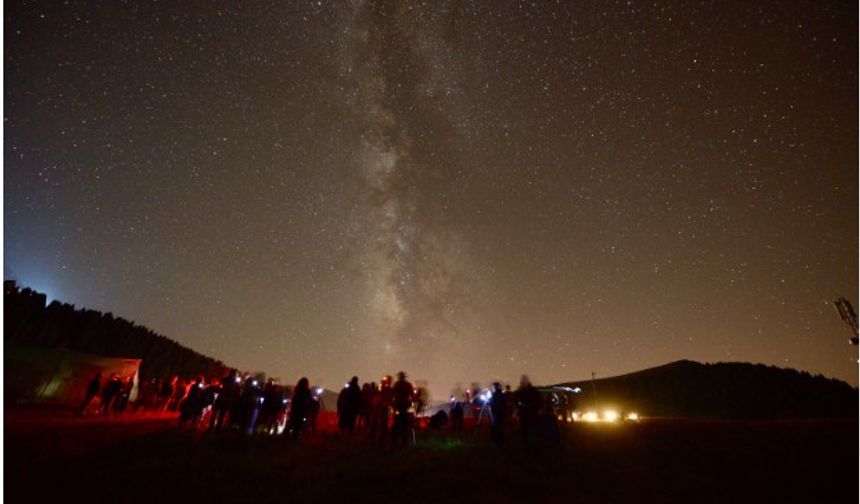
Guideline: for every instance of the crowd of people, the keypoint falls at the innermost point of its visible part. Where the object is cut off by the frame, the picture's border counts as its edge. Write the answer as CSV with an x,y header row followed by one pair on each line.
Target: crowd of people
x,y
378,411
113,396
499,406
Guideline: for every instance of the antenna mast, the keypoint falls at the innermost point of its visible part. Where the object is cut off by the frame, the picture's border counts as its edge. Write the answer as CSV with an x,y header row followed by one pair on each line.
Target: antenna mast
x,y
593,388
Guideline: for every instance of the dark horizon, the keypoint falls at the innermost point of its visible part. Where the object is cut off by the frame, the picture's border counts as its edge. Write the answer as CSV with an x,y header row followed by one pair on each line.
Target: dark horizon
x,y
459,190
164,368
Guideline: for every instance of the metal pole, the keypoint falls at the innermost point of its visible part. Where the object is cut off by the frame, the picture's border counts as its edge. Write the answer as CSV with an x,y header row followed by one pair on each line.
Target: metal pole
x,y
846,311
594,388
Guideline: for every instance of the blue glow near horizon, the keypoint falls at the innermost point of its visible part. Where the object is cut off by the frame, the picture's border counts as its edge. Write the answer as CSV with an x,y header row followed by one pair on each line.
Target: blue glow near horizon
x,y
40,285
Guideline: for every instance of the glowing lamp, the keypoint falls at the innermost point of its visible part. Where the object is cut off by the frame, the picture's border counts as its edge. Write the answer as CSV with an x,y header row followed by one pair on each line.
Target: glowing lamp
x,y
610,415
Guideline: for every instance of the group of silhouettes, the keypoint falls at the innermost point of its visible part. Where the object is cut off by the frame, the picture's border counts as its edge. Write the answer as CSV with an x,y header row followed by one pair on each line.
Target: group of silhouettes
x,y
382,411
248,405
113,395
371,408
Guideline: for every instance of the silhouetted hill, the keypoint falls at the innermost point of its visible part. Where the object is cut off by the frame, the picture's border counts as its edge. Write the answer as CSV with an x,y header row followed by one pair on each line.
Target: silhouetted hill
x,y
723,390
29,323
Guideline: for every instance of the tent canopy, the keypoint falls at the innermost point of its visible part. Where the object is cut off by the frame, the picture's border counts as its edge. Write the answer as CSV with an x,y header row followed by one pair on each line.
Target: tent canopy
x,y
59,376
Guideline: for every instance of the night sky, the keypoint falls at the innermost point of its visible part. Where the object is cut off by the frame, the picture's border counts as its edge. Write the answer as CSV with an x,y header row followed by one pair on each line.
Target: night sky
x,y
467,191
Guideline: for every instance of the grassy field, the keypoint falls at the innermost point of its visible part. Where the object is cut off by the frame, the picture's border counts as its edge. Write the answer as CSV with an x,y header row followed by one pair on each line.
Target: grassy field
x,y
149,460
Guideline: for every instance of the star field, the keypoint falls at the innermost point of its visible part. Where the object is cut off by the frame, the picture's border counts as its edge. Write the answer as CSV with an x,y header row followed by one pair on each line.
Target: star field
x,y
464,190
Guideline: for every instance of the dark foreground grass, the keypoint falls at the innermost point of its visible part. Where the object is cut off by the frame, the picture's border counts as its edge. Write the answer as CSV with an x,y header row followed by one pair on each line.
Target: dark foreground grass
x,y
649,462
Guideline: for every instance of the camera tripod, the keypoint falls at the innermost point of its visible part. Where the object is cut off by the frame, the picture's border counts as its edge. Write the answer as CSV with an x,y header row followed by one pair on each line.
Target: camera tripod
x,y
485,411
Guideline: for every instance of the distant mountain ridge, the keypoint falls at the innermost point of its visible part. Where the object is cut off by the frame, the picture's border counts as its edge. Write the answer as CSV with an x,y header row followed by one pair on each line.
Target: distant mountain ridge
x,y
730,390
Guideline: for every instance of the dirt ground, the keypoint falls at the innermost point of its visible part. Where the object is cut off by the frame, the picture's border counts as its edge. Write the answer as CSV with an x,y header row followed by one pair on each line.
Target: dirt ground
x,y
59,457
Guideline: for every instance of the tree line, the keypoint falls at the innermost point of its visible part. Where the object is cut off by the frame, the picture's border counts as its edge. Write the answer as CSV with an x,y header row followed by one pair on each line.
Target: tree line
x,y
30,323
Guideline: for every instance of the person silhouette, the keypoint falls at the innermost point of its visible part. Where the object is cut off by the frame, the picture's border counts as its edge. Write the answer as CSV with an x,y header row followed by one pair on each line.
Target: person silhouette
x,y
499,413
92,391
110,392
227,395
383,404
273,402
191,408
300,407
349,405
528,402
403,396
365,413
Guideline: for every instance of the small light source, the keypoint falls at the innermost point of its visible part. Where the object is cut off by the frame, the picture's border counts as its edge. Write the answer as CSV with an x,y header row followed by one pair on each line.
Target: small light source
x,y
575,416
610,415
254,383
633,417
319,390
590,416
238,379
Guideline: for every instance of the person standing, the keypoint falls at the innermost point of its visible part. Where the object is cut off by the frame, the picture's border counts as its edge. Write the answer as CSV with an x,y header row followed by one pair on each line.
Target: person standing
x,y
528,402
224,401
92,391
348,405
499,413
273,402
191,408
383,404
403,395
300,407
165,393
110,392
457,414
365,412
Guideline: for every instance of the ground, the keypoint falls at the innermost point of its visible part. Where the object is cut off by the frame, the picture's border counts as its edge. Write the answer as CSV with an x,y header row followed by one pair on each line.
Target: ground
x,y
58,457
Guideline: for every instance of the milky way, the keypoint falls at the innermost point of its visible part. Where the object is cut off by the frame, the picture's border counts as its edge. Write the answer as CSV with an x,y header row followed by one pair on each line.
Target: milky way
x,y
466,191
416,266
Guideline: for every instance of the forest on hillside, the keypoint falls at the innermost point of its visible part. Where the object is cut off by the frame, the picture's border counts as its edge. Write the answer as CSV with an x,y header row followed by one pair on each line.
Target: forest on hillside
x,y
30,323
